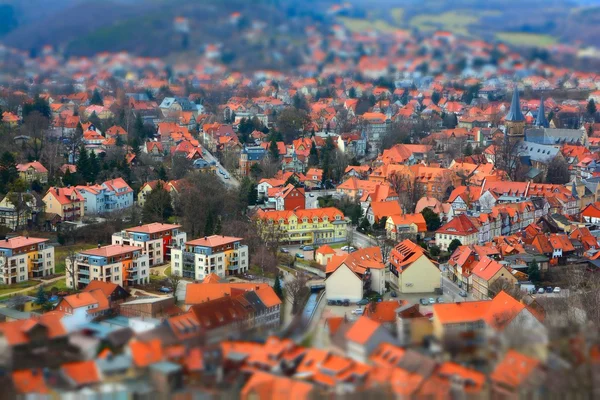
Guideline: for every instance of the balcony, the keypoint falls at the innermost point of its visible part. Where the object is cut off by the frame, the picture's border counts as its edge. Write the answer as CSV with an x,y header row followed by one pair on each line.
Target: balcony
x,y
10,273
188,274
83,280
82,271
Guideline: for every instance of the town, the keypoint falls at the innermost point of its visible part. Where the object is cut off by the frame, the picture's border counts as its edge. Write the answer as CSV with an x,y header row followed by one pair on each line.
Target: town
x,y
396,216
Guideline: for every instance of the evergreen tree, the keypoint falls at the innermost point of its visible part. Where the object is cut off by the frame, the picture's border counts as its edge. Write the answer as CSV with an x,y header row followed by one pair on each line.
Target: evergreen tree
x,y
157,206
454,245
534,272
69,179
277,287
364,225
274,150
40,297
96,98
432,220
468,151
209,226
94,167
591,107
313,157
435,97
352,93
79,130
218,226
8,171
83,164
40,105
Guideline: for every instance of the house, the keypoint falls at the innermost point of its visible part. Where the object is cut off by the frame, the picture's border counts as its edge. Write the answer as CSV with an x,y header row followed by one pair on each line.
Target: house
x,y
266,386
363,338
152,307
124,265
265,184
80,374
288,198
491,326
324,254
517,376
414,271
33,171
110,196
485,273
591,213
250,156
156,240
83,307
23,212
351,276
315,226
67,203
402,226
382,209
25,258
113,292
20,343
216,254
459,228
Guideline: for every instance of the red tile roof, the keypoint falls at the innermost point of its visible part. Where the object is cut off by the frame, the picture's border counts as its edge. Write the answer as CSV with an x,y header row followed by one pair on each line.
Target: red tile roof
x,y
81,373
214,241
362,330
20,241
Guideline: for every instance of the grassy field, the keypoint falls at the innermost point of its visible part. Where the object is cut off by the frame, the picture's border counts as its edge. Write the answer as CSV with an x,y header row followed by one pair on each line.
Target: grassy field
x,y
168,271
61,252
526,39
453,21
363,25
8,289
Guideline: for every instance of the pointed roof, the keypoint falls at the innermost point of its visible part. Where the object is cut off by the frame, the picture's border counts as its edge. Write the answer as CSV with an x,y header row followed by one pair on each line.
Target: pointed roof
x,y
540,119
515,114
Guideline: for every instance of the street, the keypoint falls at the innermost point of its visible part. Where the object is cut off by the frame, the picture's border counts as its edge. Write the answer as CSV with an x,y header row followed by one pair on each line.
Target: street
x,y
360,240
231,182
313,196
451,290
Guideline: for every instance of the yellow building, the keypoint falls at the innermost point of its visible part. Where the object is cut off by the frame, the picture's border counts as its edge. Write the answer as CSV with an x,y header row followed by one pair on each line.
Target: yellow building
x,y
23,258
33,171
414,271
485,273
316,226
67,203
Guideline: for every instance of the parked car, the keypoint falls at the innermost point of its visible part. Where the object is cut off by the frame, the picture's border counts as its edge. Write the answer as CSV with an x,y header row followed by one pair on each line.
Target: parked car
x,y
423,301
362,302
549,289
541,290
308,248
338,303
357,311
225,177
299,255
311,195
440,300
165,289
462,293
352,249
431,300
331,302
393,294
346,302
345,248
284,250
556,290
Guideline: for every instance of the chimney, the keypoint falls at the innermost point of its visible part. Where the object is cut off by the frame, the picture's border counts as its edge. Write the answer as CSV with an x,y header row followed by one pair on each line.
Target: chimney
x,y
99,245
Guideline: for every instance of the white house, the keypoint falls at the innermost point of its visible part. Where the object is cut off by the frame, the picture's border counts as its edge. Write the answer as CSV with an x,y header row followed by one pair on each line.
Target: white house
x,y
414,271
352,275
83,307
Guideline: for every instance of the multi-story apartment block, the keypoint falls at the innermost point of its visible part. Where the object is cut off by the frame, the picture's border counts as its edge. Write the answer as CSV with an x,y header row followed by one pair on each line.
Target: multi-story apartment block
x,y
216,254
112,195
23,258
157,240
315,226
120,264
67,203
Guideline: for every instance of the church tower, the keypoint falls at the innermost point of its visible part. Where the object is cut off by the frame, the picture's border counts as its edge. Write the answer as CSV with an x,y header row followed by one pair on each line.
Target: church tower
x,y
515,120
540,119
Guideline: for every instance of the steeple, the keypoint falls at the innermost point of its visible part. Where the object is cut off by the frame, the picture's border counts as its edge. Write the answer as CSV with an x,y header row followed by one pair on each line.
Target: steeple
x,y
541,120
515,114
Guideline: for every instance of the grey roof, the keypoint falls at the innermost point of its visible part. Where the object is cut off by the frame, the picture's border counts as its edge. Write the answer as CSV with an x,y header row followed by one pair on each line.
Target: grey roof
x,y
145,300
166,367
515,114
538,152
540,119
255,153
114,364
14,314
553,136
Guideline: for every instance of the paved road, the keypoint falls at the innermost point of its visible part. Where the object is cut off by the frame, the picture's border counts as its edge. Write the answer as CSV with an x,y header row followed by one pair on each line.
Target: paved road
x,y
451,290
231,182
360,240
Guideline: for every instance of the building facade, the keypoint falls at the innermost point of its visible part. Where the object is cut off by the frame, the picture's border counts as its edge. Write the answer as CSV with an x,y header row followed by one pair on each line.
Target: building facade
x,y
157,240
112,195
216,254
67,203
23,258
120,264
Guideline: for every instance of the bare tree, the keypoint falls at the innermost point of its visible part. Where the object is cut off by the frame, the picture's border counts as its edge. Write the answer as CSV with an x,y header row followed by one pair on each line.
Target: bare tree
x,y
35,126
71,268
296,292
386,246
408,190
507,156
173,282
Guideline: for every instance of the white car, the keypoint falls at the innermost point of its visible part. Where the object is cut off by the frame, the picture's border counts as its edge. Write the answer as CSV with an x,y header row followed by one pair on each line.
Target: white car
x,y
358,311
345,248
556,290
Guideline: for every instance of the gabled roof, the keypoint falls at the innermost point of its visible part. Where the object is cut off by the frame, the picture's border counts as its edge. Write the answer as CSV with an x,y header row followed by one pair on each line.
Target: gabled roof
x,y
29,381
514,369
146,353
358,262
486,268
460,225
17,332
214,241
81,373
34,164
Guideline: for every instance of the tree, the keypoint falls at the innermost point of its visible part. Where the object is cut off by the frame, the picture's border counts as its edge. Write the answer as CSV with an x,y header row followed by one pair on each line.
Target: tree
x,y
291,122
364,226
70,268
313,156
173,282
277,287
434,251
352,93
94,167
435,97
158,205
432,219
96,98
83,164
20,201
40,297
274,150
454,245
296,292
40,105
533,272
8,171
35,126
468,151
558,171
591,107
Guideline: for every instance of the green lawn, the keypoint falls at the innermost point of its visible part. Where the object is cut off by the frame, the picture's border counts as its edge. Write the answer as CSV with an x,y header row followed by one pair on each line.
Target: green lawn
x,y
168,271
453,21
526,39
362,25
8,289
61,252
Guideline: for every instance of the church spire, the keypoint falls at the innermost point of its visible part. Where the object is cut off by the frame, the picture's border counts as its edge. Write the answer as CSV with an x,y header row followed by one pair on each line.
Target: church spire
x,y
515,114
540,119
